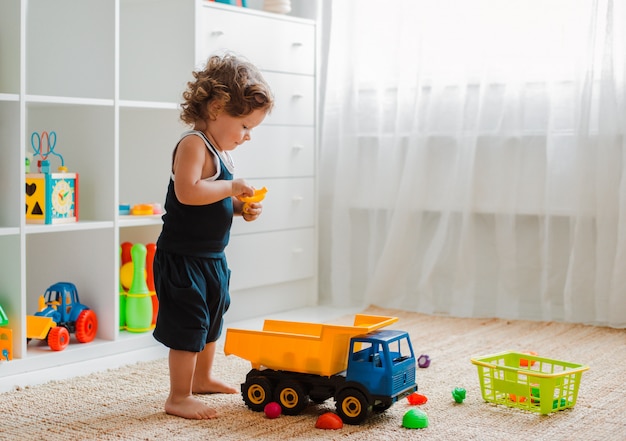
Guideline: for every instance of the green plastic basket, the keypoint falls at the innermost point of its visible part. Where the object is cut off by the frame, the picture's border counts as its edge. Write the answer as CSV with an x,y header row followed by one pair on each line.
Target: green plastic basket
x,y
529,382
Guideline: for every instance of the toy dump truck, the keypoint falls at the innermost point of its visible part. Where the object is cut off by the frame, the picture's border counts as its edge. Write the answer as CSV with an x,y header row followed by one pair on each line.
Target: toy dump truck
x,y
362,367
61,313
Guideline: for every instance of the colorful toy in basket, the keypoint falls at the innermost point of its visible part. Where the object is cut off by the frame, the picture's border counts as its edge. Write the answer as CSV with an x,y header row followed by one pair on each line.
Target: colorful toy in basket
x,y
527,381
51,198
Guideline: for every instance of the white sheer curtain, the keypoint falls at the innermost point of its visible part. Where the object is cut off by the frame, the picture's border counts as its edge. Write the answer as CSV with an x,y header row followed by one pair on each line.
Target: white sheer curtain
x,y
473,158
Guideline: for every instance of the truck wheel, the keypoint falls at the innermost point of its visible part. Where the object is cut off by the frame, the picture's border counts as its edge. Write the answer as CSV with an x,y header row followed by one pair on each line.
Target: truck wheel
x,y
86,326
292,397
352,406
256,393
58,338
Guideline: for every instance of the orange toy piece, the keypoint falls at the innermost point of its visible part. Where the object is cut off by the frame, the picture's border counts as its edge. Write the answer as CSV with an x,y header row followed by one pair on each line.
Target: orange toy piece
x,y
517,399
526,363
258,196
142,210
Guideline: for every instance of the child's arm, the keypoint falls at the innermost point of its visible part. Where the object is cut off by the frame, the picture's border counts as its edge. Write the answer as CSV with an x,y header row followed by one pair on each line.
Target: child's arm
x,y
193,164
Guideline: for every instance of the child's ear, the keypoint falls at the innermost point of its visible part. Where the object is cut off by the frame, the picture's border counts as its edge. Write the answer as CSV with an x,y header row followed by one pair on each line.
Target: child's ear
x,y
215,107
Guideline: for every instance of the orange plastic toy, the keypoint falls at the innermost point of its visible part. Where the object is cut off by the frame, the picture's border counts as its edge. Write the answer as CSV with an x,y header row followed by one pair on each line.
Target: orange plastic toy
x,y
258,196
526,363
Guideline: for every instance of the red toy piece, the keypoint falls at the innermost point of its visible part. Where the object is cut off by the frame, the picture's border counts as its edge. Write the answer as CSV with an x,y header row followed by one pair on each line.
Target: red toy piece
x,y
417,399
329,421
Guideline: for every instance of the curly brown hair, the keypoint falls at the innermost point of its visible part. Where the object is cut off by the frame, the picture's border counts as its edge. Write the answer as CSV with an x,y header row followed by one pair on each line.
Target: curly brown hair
x,y
231,80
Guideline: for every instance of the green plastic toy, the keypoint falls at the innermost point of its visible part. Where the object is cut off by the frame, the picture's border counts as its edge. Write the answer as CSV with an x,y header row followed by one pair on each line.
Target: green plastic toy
x,y
415,419
4,320
458,394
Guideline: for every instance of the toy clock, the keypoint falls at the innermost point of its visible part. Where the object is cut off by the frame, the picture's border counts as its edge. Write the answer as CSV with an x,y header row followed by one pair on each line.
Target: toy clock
x,y
51,198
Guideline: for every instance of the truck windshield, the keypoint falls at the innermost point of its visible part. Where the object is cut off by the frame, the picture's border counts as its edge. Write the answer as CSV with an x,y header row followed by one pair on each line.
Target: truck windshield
x,y
366,351
400,349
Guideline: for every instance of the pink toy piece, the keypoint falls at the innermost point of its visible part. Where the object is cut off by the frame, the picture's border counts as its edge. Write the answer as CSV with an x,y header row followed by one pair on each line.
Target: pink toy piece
x,y
272,410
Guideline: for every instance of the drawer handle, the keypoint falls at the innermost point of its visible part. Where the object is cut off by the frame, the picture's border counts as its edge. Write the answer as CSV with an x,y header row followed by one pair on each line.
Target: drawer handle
x,y
217,33
297,198
297,250
297,147
297,44
297,95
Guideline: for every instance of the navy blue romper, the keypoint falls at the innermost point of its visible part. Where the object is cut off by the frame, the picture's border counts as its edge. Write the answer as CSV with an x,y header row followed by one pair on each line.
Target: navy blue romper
x,y
191,275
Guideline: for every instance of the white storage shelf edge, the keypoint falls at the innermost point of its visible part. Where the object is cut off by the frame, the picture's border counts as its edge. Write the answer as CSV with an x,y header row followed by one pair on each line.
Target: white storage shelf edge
x,y
112,97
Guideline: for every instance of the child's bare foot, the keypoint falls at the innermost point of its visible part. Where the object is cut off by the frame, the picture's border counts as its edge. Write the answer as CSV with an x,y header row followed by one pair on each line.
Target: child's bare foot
x,y
211,386
190,408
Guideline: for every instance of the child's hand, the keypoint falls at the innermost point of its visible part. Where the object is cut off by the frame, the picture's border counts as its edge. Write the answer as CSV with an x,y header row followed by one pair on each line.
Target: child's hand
x,y
241,188
251,211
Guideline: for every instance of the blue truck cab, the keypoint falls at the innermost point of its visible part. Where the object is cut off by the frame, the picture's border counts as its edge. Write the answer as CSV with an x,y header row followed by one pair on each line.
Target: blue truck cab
x,y
384,363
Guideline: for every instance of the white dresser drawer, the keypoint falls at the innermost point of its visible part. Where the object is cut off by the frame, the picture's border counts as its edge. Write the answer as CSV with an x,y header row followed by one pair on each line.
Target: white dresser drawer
x,y
269,258
276,151
294,99
292,47
289,203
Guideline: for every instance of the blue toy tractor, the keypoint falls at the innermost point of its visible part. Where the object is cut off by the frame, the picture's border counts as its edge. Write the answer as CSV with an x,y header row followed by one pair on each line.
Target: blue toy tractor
x,y
61,313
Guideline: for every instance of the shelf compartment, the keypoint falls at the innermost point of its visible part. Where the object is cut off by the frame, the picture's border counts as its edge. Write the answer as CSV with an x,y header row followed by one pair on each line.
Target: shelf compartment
x,y
70,57
61,256
10,28
10,167
86,141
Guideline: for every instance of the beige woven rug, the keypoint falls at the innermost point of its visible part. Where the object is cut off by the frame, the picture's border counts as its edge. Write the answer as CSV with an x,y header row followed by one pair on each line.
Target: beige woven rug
x,y
127,403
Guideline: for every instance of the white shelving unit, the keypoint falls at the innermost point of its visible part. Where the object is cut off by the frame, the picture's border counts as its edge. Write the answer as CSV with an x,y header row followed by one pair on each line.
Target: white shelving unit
x,y
107,77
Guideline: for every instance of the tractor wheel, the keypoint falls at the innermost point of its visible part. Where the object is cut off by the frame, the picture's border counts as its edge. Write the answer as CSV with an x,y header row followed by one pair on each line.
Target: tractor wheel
x,y
256,393
58,338
291,396
86,326
352,406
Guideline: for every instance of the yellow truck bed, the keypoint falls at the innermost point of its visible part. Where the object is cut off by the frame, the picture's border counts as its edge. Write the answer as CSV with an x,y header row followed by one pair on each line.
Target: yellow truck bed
x,y
312,348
